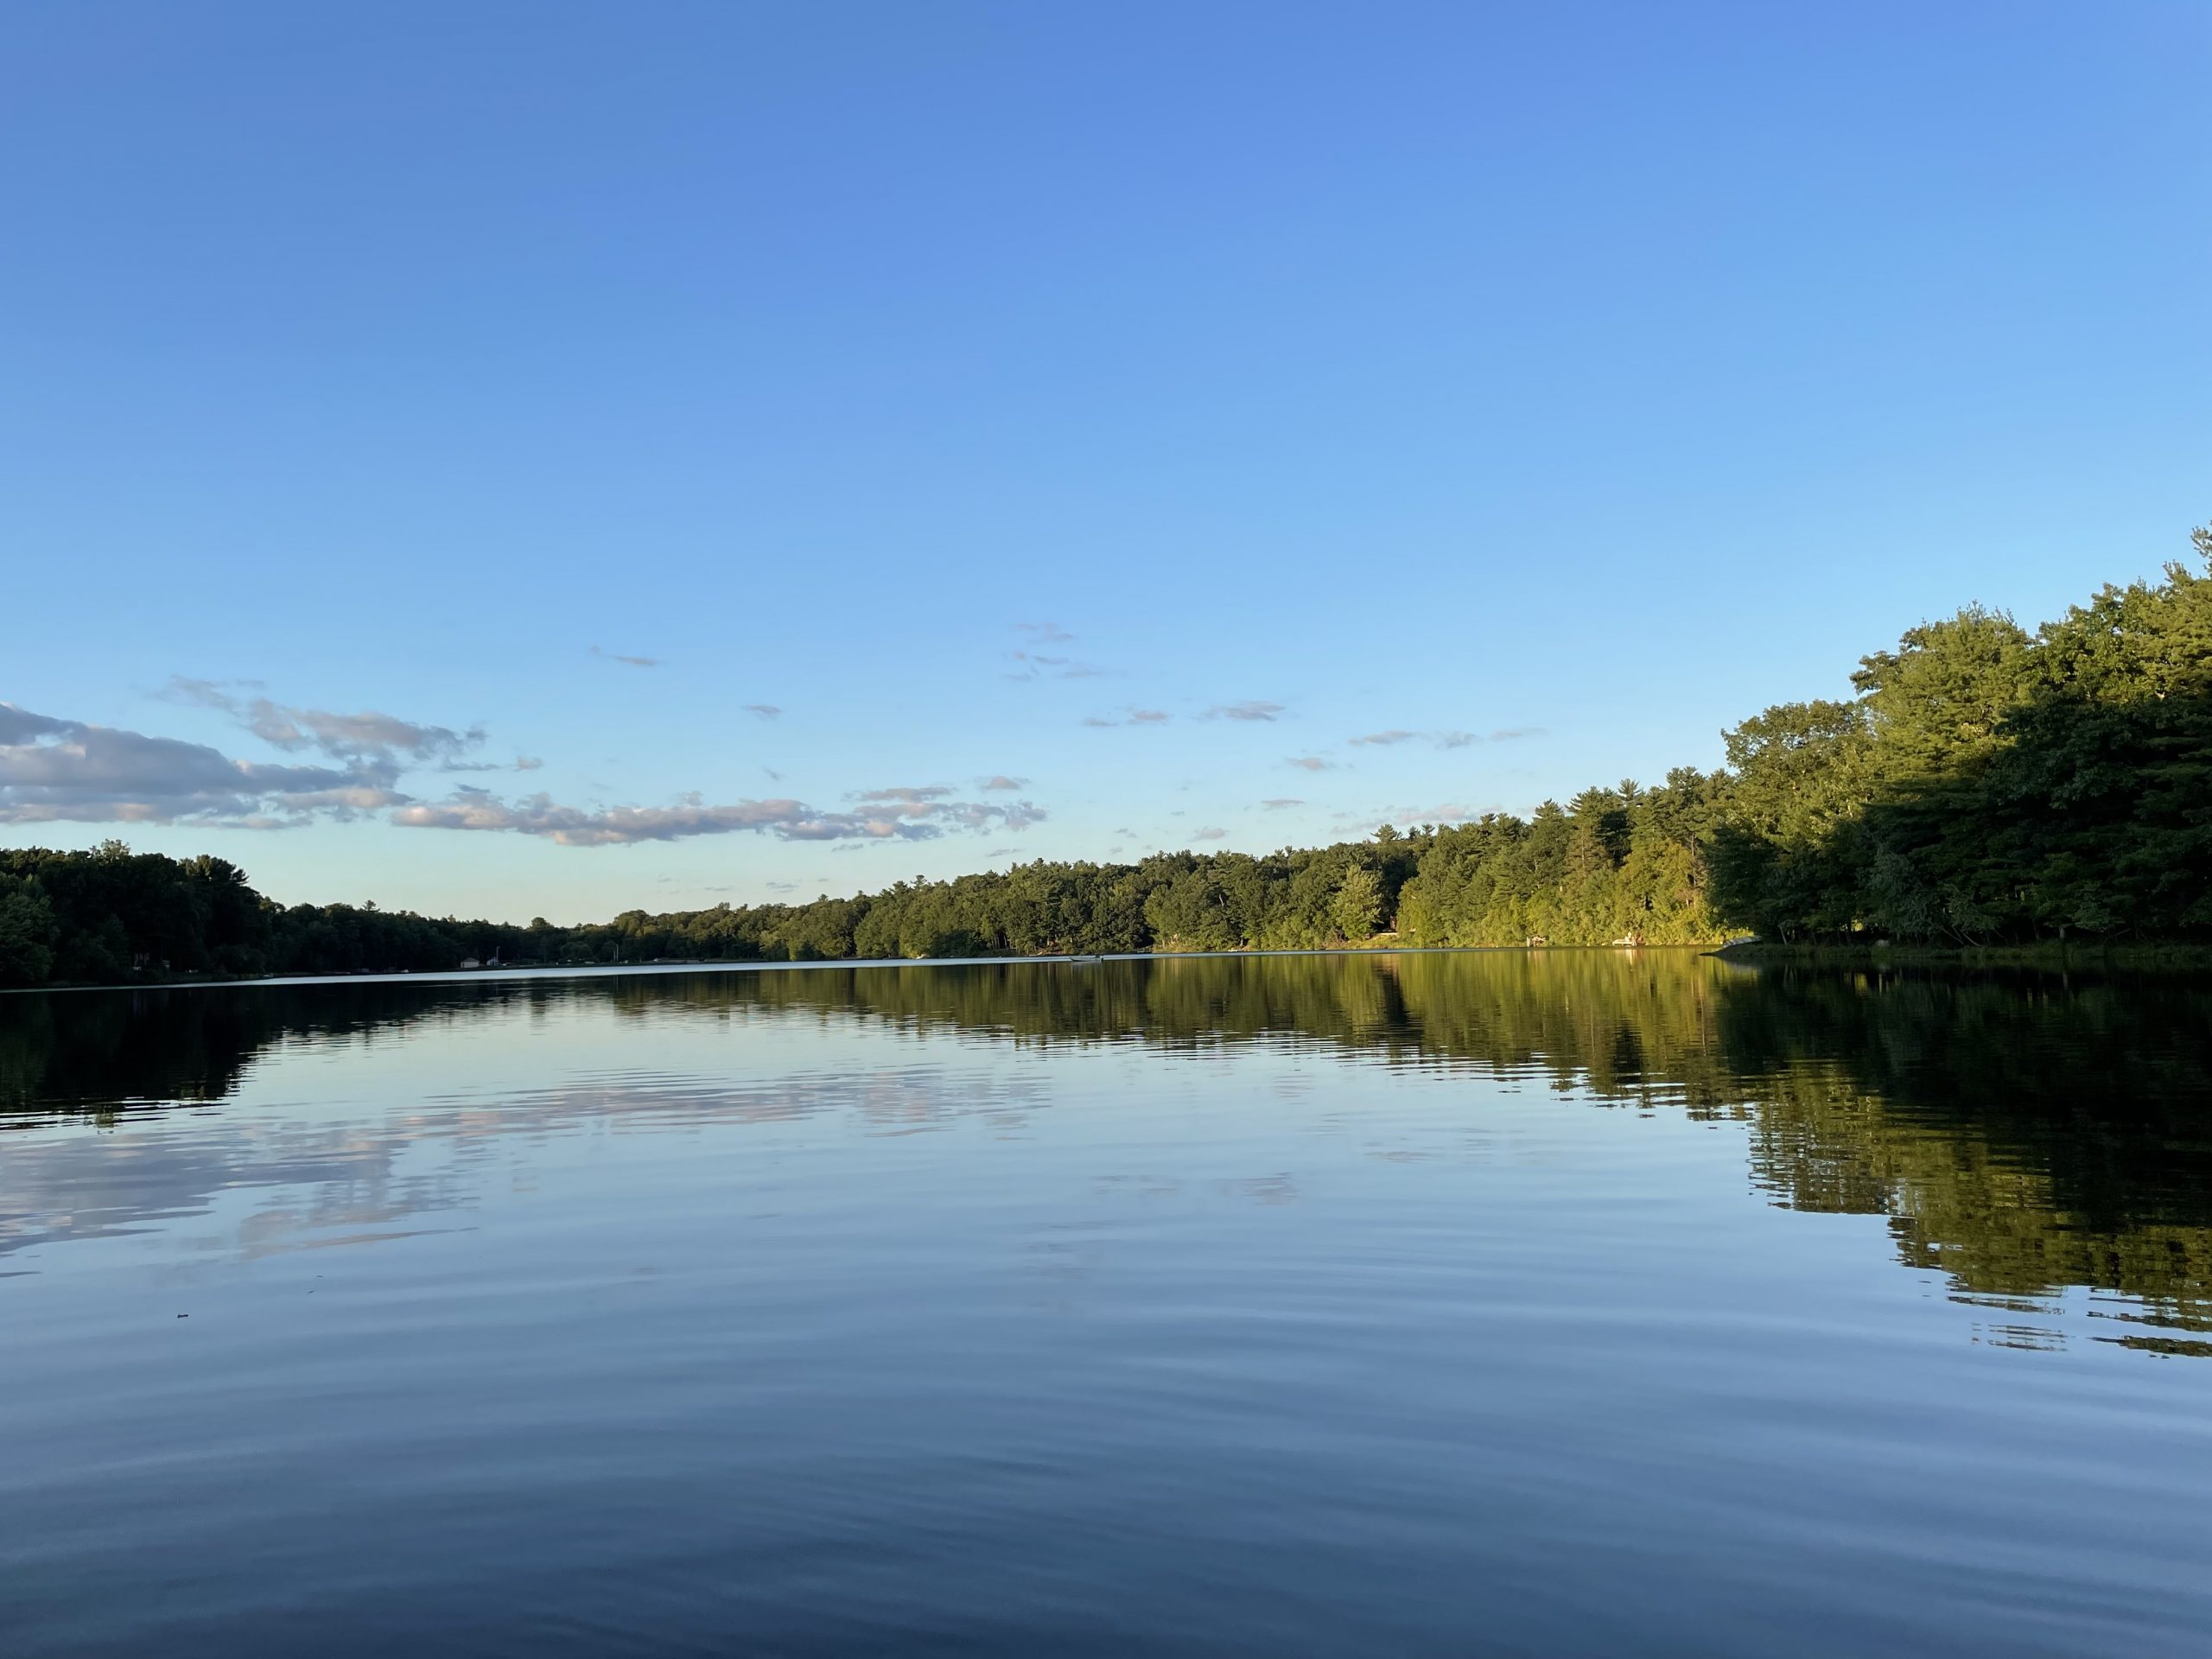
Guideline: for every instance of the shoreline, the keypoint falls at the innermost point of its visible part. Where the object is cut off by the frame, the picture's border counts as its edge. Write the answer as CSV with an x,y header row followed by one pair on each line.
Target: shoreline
x,y
740,964
2050,955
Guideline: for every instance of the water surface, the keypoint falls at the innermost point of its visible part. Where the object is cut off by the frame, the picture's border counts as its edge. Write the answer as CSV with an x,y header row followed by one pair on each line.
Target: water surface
x,y
1553,1304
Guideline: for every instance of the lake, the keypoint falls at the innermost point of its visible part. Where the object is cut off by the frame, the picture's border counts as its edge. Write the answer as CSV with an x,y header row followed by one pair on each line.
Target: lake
x,y
1557,1303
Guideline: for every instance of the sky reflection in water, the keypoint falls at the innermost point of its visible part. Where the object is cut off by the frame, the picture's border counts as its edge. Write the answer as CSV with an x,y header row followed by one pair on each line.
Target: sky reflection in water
x,y
1579,1302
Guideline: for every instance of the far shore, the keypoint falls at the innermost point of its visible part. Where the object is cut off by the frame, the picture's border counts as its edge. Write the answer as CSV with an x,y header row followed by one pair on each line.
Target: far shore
x,y
732,964
1748,953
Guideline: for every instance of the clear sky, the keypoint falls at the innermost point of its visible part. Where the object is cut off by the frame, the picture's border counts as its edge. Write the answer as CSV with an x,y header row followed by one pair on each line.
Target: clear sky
x,y
742,410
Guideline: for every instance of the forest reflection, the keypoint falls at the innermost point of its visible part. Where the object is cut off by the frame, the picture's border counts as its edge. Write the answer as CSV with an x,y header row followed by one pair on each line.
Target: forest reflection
x,y
2022,1132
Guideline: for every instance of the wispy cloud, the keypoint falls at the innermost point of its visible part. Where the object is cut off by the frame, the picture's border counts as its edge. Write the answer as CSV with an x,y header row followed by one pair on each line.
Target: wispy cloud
x,y
54,769
1035,665
1442,739
934,804
1250,709
1000,780
903,796
1031,664
628,662
988,815
1311,763
878,815
1130,717
1449,812
369,737
1211,834
1277,803
1448,740
766,710
220,694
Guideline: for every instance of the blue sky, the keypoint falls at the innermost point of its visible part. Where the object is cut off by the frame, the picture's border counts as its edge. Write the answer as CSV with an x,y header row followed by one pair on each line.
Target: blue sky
x,y
1555,385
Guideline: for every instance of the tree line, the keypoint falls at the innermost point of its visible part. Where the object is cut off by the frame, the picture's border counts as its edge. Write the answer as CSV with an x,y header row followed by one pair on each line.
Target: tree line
x,y
1983,784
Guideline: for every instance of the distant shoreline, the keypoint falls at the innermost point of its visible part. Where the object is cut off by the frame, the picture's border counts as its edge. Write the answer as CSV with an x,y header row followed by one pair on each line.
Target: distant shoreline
x,y
746,964
1750,953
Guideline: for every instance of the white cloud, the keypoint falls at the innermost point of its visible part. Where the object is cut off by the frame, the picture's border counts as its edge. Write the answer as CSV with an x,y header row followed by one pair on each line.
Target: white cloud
x,y
901,814
370,736
55,771
1035,665
1442,739
1250,709
905,797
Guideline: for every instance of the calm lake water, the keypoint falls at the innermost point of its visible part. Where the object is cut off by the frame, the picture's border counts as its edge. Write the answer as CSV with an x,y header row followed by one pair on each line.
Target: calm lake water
x,y
1563,1303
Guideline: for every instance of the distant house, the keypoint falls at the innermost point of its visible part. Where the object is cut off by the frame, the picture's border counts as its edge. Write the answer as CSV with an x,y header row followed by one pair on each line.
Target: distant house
x,y
470,962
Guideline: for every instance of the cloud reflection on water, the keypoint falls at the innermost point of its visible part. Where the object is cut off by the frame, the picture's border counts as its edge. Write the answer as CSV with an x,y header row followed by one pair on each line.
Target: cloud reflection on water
x,y
2022,1135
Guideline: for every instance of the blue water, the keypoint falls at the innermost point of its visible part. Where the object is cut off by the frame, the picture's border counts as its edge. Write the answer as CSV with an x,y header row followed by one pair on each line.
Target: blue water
x,y
1580,1304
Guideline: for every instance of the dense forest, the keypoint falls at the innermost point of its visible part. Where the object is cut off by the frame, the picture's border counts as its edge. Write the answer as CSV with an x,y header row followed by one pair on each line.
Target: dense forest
x,y
1983,784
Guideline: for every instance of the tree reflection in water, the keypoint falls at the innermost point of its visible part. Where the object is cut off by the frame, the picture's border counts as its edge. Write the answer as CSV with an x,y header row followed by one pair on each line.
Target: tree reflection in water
x,y
2024,1132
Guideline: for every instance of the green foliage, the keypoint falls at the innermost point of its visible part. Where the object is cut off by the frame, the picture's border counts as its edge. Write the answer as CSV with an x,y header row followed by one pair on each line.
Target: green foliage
x,y
27,933
1990,786
1358,908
